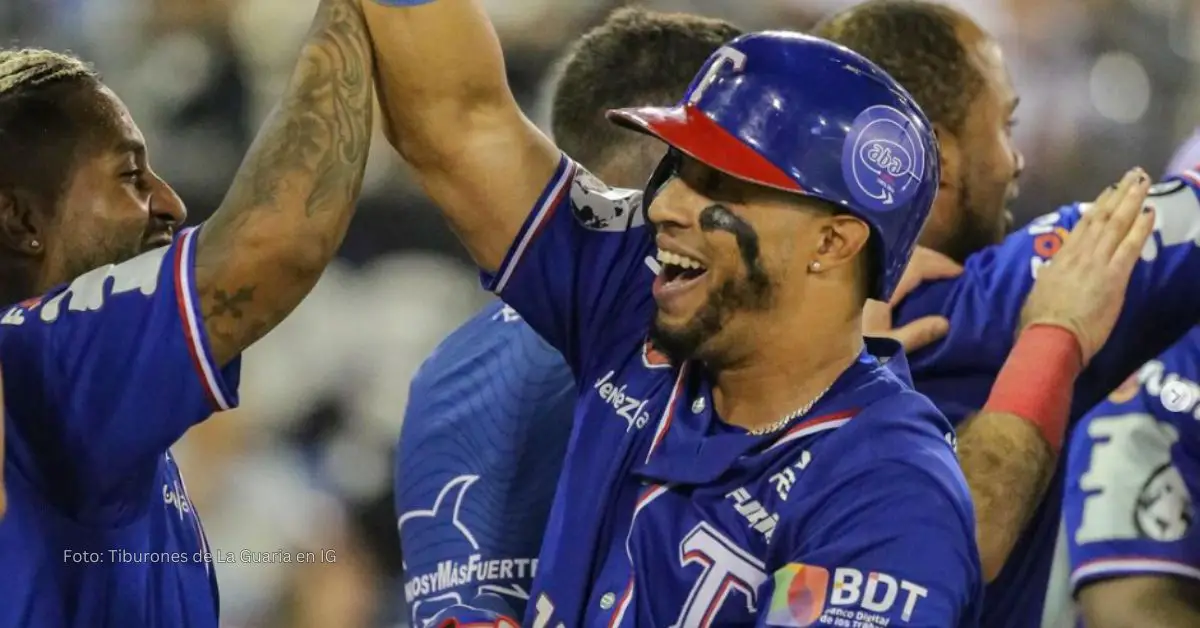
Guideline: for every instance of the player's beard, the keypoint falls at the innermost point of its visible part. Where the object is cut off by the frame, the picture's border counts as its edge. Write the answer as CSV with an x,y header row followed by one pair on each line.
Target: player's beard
x,y
753,292
101,252
978,228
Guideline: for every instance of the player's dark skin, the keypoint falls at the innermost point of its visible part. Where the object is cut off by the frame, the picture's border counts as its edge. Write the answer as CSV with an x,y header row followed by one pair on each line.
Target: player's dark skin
x,y
755,292
717,217
280,224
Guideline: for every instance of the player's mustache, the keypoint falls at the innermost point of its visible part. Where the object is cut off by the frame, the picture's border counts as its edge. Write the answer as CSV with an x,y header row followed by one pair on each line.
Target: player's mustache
x,y
717,217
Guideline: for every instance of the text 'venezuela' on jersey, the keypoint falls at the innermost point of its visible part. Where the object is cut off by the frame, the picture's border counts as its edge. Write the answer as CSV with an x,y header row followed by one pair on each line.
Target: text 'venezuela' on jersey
x,y
858,515
983,306
480,452
100,378
1133,475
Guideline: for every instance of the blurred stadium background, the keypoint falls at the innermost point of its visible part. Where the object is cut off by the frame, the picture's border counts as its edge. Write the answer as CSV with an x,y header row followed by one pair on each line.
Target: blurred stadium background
x,y
305,464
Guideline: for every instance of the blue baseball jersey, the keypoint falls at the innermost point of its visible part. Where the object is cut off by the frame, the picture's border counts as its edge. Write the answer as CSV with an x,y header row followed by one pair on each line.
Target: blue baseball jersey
x,y
101,377
484,435
857,515
983,306
1133,475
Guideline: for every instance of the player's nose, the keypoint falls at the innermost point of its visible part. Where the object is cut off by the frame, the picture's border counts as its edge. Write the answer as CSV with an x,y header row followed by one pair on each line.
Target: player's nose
x,y
674,207
165,204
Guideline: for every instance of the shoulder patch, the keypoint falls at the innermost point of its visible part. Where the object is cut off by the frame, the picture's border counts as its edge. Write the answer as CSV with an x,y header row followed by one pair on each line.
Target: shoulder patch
x,y
602,208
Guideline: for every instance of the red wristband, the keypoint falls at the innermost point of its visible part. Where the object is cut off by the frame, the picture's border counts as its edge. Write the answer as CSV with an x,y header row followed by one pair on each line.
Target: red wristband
x,y
1037,380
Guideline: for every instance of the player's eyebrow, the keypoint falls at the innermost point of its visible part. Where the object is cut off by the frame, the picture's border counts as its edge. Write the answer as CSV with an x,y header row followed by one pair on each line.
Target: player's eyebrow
x,y
130,145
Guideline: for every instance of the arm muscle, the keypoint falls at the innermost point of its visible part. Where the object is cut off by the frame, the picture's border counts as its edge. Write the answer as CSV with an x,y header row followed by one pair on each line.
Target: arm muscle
x,y
449,112
291,201
1008,466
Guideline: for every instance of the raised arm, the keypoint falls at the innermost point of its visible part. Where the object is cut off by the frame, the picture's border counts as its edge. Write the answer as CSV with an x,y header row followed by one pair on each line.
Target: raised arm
x,y
291,201
1009,450
449,112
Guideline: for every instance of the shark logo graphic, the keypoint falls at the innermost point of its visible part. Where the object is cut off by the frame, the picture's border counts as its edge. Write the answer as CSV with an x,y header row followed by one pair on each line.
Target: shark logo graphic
x,y
447,564
458,488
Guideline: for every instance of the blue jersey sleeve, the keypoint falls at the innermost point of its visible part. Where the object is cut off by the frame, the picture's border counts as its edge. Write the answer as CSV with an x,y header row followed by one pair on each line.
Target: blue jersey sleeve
x,y
892,545
579,271
103,375
984,304
482,446
1133,475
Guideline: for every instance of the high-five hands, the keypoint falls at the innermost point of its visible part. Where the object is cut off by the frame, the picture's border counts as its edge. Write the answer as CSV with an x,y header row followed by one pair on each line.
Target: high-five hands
x,y
1082,289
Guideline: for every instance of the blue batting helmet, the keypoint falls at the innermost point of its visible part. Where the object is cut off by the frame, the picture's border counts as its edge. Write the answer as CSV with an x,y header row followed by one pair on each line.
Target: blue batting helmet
x,y
808,116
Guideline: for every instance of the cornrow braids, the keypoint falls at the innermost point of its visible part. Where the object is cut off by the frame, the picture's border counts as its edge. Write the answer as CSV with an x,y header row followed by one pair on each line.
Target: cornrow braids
x,y
45,115
24,68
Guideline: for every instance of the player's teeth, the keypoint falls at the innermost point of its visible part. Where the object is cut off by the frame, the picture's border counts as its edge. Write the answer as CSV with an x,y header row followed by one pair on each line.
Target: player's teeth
x,y
675,259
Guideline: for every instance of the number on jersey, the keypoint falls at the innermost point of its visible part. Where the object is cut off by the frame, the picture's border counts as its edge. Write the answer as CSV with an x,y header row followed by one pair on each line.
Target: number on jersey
x,y
1134,490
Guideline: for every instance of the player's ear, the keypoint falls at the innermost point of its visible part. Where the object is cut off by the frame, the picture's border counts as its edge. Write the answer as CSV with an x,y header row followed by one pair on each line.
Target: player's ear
x,y
22,225
951,156
841,239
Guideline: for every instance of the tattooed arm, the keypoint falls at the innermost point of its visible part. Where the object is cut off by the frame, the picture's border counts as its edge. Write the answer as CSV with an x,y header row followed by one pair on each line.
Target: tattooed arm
x,y
449,112
291,201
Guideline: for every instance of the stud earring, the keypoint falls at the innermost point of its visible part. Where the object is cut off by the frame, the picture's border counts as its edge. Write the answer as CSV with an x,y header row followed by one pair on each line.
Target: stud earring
x,y
34,243
814,266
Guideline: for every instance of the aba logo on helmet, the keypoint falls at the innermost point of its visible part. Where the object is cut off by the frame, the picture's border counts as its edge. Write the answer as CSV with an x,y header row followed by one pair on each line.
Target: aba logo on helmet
x,y
883,159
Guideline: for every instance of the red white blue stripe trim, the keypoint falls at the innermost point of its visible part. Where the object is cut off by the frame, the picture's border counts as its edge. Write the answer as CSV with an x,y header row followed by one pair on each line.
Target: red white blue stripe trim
x,y
551,199
193,321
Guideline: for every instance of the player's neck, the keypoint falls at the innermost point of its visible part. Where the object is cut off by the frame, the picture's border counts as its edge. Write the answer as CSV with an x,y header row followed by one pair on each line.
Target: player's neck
x,y
787,369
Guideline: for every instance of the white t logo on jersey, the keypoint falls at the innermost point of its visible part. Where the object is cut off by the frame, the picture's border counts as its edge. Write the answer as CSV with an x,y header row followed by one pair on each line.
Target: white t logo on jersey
x,y
727,569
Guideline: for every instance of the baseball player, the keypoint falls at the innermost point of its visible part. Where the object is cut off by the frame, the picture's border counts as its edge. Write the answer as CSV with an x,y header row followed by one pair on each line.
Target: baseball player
x,y
489,413
748,487
127,333
1133,476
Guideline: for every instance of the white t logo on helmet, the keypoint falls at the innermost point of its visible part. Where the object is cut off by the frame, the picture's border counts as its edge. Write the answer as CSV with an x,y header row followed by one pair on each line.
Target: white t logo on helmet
x,y
732,57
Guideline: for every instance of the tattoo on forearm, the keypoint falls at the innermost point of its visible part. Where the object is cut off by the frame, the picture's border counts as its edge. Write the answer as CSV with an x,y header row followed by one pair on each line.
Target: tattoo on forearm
x,y
296,187
1007,466
225,304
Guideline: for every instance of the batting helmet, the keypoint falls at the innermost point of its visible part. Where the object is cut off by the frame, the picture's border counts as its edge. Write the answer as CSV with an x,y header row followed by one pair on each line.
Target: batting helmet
x,y
805,115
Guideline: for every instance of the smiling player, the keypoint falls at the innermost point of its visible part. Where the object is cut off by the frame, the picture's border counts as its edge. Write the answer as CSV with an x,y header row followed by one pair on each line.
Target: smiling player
x,y
127,333
752,497
489,412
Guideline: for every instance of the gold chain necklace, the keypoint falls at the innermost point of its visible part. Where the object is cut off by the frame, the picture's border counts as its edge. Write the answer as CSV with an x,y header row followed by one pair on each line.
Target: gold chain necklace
x,y
788,418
